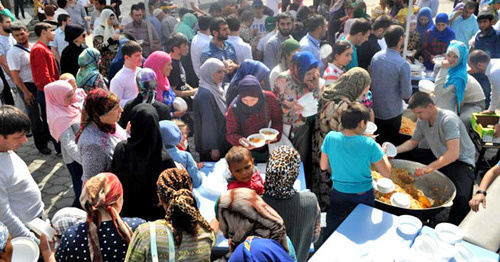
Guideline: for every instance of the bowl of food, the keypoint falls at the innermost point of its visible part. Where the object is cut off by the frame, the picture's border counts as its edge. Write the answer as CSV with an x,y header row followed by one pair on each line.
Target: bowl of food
x,y
370,128
409,225
400,200
449,233
269,134
385,185
256,140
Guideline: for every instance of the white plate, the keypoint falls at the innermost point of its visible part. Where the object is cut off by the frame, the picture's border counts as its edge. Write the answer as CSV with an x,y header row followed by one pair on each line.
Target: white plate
x,y
370,128
25,250
409,225
449,233
259,144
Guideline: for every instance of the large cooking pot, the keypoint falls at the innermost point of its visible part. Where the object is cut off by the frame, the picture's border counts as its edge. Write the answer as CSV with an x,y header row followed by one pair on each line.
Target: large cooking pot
x,y
435,185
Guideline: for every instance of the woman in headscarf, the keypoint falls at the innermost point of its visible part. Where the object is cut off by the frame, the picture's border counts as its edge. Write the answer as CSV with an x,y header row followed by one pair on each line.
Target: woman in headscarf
x,y
146,83
88,77
251,111
161,63
138,162
63,117
242,213
75,36
287,49
118,61
209,109
350,87
290,86
296,208
436,40
183,234
106,40
424,21
186,26
455,89
260,249
99,133
105,235
248,67
342,10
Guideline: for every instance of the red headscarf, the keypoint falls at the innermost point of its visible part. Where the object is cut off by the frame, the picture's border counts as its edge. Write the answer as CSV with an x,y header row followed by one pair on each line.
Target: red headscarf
x,y
157,61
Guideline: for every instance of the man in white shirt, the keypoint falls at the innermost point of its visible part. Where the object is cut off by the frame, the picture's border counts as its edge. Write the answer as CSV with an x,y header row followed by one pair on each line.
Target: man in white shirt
x,y
275,5
259,19
480,62
200,42
243,50
59,43
20,198
6,43
271,31
124,84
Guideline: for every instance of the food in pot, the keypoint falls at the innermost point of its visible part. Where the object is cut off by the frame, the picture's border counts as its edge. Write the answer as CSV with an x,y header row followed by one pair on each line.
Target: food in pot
x,y
404,183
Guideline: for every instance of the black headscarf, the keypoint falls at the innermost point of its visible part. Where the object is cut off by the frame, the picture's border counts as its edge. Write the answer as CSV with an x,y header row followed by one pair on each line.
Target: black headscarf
x,y
248,86
72,32
138,163
70,54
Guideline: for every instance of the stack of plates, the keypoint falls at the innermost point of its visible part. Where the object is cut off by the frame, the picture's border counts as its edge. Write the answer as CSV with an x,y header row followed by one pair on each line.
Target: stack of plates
x,y
309,104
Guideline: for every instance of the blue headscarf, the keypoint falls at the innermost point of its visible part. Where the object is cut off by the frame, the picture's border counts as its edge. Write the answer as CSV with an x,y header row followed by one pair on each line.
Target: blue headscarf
x,y
118,61
304,61
457,75
248,67
4,236
422,29
171,135
119,54
444,36
256,249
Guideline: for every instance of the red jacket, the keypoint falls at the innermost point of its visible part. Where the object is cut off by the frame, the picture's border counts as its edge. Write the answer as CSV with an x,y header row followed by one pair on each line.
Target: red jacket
x,y
254,122
256,183
43,65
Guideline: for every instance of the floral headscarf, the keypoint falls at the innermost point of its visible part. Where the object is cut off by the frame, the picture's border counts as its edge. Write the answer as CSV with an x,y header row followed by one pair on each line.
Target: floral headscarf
x,y
175,190
89,69
457,75
97,103
242,213
4,236
146,80
282,170
100,194
349,85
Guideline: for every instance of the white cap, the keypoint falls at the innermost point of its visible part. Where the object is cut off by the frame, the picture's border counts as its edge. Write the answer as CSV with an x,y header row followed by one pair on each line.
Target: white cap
x,y
156,12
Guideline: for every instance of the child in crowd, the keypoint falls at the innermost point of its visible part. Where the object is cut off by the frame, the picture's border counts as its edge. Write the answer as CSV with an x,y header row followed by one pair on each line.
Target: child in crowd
x,y
243,171
184,144
172,136
349,155
341,57
403,13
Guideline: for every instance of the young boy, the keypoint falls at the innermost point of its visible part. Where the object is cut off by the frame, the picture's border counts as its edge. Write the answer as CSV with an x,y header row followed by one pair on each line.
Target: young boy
x,y
349,155
243,171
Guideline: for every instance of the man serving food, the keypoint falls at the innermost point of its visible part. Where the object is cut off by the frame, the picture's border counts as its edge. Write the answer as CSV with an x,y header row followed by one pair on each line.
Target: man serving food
x,y
451,150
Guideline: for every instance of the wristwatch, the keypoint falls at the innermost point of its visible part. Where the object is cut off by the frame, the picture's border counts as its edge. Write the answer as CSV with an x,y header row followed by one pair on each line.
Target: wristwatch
x,y
481,192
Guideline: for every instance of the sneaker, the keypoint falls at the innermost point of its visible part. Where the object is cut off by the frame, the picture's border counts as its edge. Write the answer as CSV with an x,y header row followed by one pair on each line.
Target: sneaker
x,y
45,151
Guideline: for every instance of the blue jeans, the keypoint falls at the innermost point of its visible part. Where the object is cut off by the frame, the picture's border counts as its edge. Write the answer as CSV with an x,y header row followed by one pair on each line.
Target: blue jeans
x,y
76,172
341,205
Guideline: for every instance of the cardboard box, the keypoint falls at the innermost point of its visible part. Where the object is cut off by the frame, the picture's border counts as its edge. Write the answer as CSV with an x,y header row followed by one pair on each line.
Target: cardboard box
x,y
484,124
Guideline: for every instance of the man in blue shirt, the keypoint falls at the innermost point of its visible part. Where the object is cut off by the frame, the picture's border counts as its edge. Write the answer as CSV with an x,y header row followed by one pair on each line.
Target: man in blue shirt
x,y
464,23
316,27
360,31
220,48
391,83
488,39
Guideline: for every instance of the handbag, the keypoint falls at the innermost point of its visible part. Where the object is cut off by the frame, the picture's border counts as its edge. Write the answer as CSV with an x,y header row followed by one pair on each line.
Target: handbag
x,y
154,249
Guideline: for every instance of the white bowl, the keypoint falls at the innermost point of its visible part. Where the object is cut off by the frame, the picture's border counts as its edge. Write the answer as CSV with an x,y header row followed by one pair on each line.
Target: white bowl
x,y
409,225
463,253
41,227
269,133
426,86
370,128
391,149
400,200
449,233
426,247
325,51
385,185
261,140
25,250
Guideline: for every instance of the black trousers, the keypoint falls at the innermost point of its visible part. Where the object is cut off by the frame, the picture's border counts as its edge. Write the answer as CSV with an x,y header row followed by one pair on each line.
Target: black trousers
x,y
388,130
460,173
18,4
39,127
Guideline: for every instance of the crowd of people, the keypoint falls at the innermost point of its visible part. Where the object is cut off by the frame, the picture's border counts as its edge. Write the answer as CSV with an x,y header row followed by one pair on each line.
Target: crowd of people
x,y
121,115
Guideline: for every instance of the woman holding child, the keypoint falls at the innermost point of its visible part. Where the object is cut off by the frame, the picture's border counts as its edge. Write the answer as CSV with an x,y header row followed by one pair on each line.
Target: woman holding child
x,y
250,111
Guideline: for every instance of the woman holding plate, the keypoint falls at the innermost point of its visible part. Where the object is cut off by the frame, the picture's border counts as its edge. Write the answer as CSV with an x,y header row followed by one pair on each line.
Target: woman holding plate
x,y
251,111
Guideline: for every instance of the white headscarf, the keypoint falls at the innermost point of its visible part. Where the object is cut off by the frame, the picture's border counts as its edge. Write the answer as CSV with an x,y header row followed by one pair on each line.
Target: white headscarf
x,y
207,70
104,29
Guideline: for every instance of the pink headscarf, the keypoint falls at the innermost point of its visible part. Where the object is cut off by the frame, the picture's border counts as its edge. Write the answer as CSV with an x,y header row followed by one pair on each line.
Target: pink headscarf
x,y
60,116
156,61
